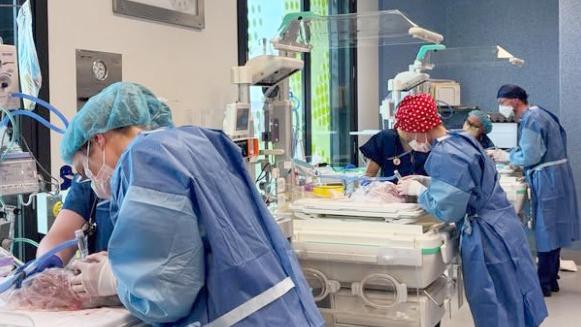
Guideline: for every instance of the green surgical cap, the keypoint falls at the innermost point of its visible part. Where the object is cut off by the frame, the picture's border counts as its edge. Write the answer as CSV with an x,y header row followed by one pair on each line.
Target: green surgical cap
x,y
484,119
119,105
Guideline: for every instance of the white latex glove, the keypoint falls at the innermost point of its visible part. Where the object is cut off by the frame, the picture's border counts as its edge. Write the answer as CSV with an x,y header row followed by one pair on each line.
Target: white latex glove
x,y
410,187
424,180
499,155
95,278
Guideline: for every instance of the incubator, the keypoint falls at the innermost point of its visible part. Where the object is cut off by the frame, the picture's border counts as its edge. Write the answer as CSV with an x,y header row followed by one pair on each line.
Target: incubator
x,y
375,264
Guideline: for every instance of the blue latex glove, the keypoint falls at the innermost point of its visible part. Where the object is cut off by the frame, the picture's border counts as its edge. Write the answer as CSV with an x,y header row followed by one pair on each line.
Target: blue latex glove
x,y
52,262
364,181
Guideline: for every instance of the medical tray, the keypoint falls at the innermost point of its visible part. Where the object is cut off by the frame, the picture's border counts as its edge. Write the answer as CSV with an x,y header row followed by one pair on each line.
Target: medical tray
x,y
330,208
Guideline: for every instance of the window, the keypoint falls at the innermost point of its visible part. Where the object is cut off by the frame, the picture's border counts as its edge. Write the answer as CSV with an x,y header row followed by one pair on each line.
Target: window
x,y
323,94
8,12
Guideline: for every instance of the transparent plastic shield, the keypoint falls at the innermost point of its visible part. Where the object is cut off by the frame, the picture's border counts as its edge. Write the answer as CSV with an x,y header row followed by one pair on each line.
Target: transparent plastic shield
x,y
390,27
485,55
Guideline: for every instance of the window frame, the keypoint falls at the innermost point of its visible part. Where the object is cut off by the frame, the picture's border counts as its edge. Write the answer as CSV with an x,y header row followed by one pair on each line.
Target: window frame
x,y
351,7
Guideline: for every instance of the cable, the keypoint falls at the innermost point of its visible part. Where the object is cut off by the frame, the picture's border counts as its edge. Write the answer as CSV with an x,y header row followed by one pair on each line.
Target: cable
x,y
14,131
12,121
56,180
260,177
44,104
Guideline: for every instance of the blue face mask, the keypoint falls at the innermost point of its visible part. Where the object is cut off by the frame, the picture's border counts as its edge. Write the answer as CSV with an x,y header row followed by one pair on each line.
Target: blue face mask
x,y
28,66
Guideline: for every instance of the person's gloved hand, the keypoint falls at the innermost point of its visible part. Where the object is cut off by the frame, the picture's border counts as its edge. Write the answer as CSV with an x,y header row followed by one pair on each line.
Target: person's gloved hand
x,y
424,180
498,155
364,181
51,262
94,278
410,187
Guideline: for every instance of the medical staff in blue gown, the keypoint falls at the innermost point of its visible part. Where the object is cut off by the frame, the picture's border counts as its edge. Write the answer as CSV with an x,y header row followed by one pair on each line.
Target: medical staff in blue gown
x,y
192,244
542,152
82,209
386,152
501,284
478,124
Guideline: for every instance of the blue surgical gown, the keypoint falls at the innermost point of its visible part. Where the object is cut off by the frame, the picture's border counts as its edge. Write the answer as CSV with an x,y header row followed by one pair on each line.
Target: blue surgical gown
x,y
501,283
543,141
192,238
82,200
385,147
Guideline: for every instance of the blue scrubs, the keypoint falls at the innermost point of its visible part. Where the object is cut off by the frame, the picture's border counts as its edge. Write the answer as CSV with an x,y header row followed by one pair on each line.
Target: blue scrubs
x,y
485,142
193,240
386,150
501,284
542,151
82,200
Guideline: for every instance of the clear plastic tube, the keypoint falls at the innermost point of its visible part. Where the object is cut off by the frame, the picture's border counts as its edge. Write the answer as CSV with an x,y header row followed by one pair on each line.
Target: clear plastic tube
x,y
82,243
25,240
15,131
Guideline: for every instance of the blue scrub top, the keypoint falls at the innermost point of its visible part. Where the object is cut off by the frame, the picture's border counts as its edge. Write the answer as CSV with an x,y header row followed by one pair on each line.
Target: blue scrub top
x,y
385,146
82,200
485,142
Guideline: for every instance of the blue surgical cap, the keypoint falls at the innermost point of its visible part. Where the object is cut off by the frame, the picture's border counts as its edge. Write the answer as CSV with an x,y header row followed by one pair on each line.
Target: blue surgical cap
x,y
511,91
484,119
119,105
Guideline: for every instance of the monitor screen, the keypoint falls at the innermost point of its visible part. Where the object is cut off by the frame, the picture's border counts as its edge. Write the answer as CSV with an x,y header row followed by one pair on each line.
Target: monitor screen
x,y
504,135
242,116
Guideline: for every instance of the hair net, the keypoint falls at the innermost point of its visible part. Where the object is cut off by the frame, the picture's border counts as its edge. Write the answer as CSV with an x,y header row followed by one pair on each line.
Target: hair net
x,y
484,119
417,114
119,105
511,91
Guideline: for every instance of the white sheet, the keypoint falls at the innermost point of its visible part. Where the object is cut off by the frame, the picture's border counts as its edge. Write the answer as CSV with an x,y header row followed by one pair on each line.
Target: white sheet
x,y
102,317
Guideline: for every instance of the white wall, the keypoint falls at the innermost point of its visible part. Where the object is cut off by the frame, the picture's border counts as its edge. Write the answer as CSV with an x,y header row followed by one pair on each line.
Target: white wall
x,y
367,80
188,67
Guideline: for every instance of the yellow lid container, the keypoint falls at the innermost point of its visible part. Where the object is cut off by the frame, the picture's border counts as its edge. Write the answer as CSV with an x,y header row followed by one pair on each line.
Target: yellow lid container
x,y
329,190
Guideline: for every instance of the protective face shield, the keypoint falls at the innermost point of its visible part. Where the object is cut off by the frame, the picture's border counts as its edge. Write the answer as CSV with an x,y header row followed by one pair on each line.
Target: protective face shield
x,y
100,183
420,147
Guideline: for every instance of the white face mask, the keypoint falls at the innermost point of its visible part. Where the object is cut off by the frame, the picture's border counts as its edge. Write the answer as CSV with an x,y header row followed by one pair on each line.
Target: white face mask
x,y
420,147
100,183
506,111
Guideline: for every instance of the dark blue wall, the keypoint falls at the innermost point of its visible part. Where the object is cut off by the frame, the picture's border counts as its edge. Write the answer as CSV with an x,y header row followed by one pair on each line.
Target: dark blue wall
x,y
529,29
570,75
546,33
397,58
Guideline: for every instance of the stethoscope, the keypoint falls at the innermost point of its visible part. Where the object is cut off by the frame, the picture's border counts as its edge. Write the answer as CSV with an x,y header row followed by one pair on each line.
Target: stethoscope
x,y
397,159
90,227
